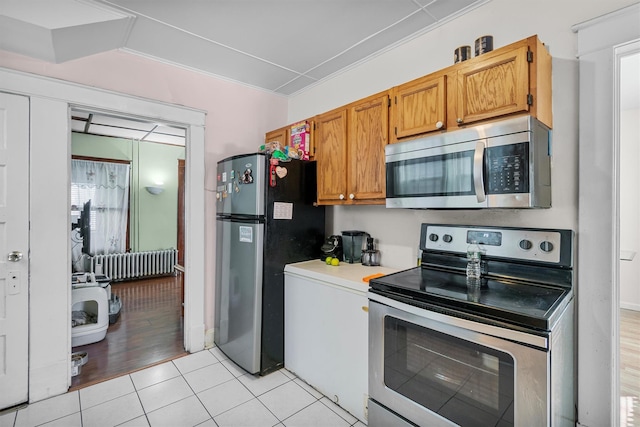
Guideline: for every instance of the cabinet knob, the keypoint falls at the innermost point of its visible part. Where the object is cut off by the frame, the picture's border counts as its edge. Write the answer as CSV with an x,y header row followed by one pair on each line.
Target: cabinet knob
x,y
439,124
459,120
342,197
352,196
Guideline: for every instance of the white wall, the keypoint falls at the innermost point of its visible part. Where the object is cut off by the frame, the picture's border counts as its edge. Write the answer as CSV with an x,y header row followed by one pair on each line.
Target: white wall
x,y
630,209
237,116
229,131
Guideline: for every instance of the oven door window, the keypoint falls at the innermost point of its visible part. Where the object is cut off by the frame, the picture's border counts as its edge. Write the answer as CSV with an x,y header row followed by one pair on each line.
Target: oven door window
x,y
439,175
462,381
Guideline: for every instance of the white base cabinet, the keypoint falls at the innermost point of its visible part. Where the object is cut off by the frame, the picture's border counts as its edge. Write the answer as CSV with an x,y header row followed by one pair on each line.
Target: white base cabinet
x,y
326,340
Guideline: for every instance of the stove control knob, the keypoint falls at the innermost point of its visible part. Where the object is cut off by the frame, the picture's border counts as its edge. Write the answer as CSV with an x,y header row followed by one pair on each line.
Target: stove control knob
x,y
546,246
526,244
447,238
433,237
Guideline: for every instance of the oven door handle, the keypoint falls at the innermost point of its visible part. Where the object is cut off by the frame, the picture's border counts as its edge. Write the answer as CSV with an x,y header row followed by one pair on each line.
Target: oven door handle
x,y
478,172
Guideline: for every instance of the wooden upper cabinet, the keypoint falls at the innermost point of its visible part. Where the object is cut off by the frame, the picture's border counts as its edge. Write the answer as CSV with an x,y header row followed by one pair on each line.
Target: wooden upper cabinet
x,y
350,145
368,134
418,107
514,79
330,137
493,87
281,135
511,80
349,142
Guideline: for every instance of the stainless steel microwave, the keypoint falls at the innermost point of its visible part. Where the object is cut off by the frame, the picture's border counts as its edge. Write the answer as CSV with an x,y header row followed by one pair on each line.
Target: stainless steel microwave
x,y
501,164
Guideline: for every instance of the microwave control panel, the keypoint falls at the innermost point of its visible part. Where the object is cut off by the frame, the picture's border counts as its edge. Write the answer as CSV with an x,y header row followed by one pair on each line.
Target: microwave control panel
x,y
508,169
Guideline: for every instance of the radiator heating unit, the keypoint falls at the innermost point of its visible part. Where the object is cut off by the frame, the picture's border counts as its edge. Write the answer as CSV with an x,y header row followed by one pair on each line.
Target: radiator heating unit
x,y
135,265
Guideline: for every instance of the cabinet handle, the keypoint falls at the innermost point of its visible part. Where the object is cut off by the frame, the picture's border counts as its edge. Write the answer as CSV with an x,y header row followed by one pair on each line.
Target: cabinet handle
x,y
459,120
439,124
352,196
365,308
342,197
478,176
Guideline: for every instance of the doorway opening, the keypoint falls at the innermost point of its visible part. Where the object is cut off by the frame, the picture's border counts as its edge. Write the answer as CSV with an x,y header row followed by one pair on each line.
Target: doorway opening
x,y
145,274
628,135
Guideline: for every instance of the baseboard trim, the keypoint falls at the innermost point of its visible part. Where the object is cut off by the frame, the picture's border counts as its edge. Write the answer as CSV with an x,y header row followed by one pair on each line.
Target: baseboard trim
x,y
630,306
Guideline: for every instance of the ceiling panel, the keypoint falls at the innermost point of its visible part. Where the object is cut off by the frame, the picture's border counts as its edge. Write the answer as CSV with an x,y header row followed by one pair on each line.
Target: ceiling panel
x,y
441,9
186,49
129,128
278,45
26,38
59,13
70,42
296,35
295,85
414,23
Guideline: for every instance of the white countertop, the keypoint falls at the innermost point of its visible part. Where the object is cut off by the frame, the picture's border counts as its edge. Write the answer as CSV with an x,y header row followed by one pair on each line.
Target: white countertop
x,y
347,275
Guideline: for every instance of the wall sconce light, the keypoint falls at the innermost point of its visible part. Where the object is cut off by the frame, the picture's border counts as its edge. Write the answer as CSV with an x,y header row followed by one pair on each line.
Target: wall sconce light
x,y
155,190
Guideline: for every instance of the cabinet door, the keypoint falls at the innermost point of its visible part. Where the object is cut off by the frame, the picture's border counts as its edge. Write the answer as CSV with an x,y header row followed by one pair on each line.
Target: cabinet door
x,y
418,107
494,87
331,154
281,135
367,137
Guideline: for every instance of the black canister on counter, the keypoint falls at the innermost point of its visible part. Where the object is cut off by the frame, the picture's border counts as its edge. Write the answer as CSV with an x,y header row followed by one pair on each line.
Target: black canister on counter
x,y
462,53
484,44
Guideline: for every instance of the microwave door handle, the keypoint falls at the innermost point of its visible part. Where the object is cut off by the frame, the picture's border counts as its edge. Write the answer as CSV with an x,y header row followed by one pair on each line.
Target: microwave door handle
x,y
478,173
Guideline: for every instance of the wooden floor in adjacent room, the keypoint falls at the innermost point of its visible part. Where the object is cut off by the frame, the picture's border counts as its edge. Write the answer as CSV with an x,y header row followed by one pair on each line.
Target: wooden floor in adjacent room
x,y
630,368
149,331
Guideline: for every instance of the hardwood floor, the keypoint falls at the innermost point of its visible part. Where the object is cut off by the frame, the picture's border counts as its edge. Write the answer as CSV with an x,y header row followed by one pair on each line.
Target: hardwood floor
x,y
630,367
149,331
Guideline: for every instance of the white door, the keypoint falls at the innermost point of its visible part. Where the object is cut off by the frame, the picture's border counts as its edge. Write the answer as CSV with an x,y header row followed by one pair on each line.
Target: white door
x,y
14,248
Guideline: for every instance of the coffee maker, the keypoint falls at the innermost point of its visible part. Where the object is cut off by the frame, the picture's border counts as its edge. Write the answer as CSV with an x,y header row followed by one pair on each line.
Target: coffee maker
x,y
332,247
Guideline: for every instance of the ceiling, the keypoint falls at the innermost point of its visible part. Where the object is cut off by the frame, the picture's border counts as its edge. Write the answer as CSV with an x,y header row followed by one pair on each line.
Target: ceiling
x,y
126,127
282,46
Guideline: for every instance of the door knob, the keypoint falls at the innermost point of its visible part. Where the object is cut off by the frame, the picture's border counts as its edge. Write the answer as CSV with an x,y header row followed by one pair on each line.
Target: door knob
x,y
14,256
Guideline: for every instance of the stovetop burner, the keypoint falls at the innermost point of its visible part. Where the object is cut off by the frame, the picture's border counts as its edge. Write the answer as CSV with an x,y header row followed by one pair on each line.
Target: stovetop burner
x,y
526,284
520,303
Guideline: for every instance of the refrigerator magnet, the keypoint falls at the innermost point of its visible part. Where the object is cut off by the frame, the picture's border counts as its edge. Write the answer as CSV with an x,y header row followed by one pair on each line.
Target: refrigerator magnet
x,y
281,171
246,234
282,210
247,176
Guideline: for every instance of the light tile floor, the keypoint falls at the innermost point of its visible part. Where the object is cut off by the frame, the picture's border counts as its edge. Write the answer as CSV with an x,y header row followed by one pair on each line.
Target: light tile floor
x,y
201,389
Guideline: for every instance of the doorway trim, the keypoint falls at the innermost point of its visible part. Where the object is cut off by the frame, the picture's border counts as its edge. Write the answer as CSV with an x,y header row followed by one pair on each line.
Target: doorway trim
x,y
50,165
598,231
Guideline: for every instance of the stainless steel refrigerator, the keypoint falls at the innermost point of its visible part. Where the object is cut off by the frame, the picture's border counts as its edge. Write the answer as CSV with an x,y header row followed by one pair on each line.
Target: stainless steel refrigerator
x,y
266,217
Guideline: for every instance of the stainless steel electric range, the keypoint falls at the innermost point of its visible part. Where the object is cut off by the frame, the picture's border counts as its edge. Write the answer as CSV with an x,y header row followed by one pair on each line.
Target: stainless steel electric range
x,y
498,352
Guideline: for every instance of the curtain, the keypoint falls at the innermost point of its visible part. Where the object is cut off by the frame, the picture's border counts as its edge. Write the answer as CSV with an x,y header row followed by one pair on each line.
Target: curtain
x,y
107,186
